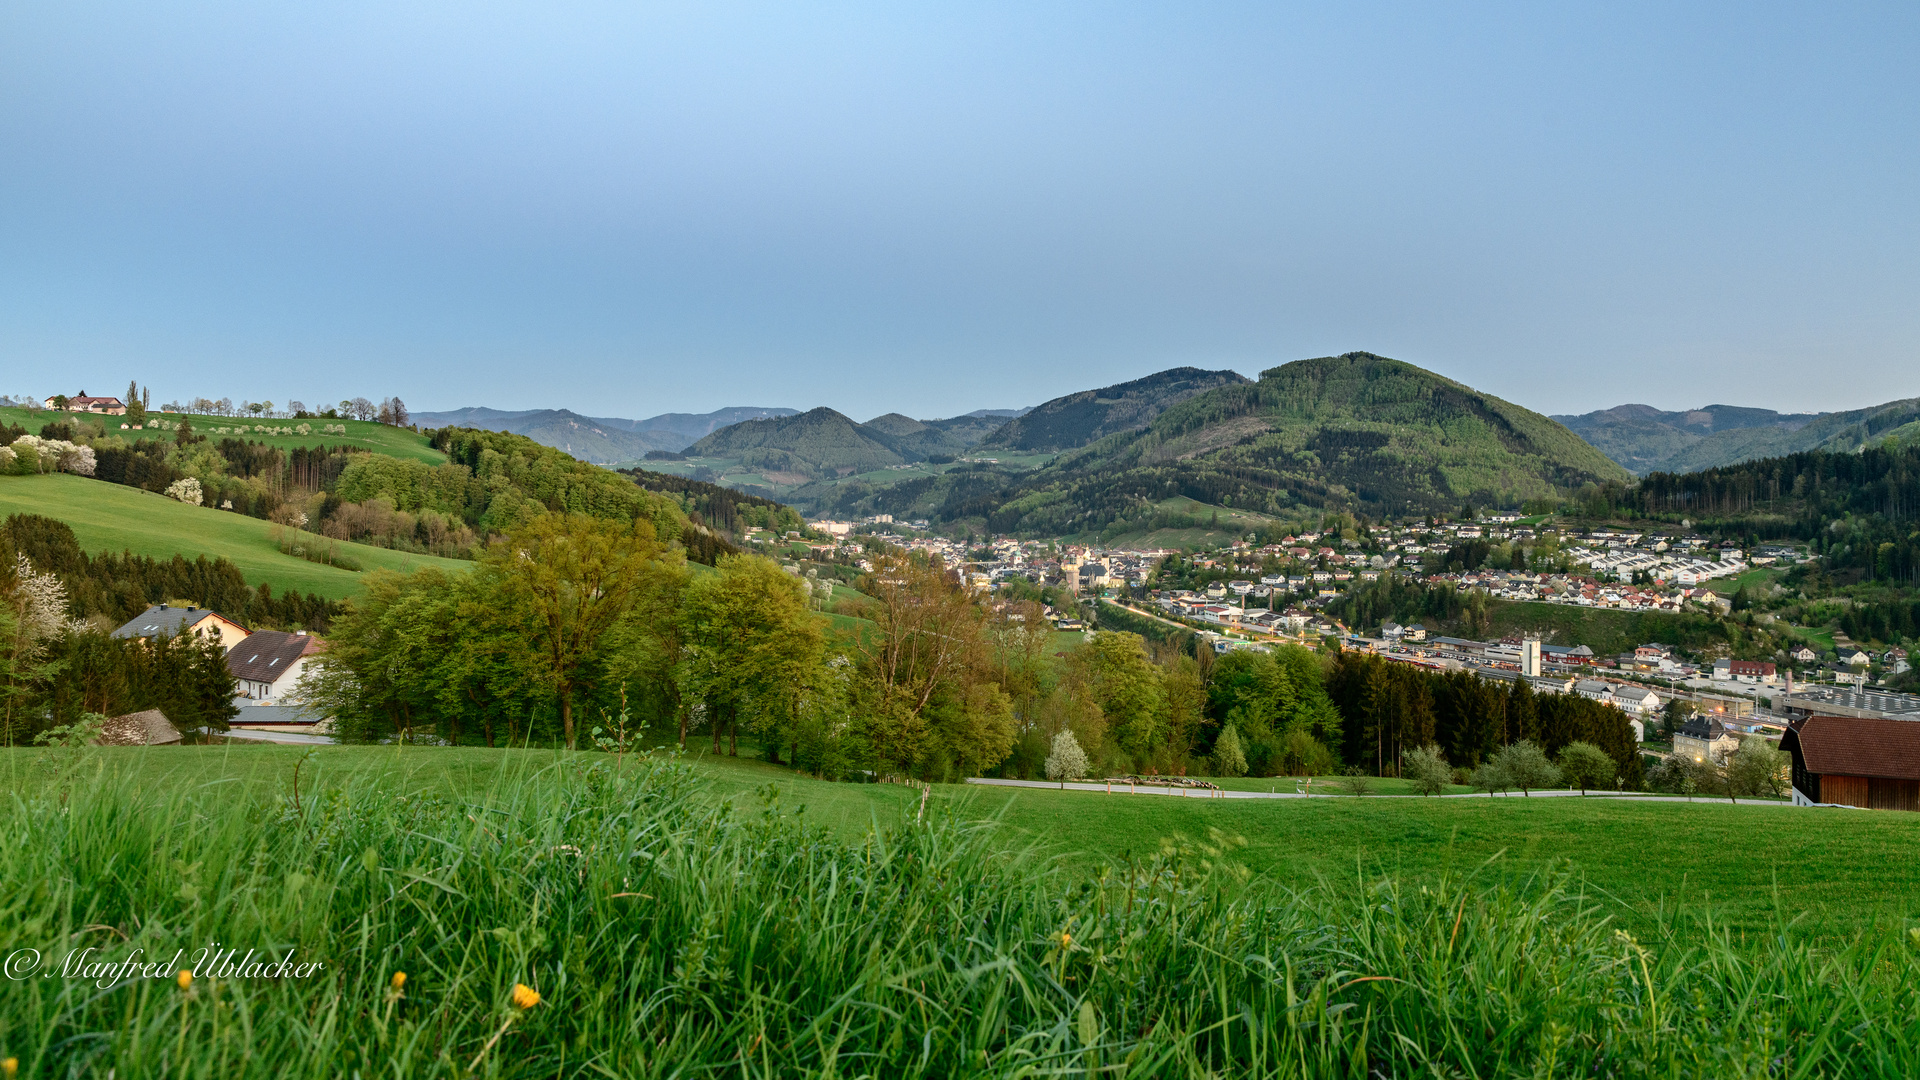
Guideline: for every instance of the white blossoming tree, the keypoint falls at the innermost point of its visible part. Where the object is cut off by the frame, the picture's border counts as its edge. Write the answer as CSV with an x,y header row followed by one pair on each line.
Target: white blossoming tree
x,y
53,455
1066,761
187,491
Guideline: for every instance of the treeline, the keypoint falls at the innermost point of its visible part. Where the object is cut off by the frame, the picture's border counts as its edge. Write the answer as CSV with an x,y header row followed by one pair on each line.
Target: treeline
x,y
1388,709
1877,480
116,587
717,507
586,631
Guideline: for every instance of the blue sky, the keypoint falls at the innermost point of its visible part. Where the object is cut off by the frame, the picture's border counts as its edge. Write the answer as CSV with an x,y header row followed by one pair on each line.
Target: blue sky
x,y
627,208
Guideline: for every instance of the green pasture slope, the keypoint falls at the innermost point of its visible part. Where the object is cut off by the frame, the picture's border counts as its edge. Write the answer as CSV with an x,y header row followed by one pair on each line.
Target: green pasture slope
x,y
113,517
1838,871
364,434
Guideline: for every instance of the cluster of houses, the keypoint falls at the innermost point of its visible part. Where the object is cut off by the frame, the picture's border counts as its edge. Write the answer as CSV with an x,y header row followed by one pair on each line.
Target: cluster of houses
x,y
266,666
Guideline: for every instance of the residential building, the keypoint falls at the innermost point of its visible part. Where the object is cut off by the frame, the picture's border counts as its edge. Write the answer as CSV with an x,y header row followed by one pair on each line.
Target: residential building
x,y
1704,738
1636,700
269,664
1749,671
1594,690
172,620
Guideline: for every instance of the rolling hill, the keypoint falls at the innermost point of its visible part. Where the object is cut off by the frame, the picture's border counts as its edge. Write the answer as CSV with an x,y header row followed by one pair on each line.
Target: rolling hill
x,y
284,434
111,517
1078,419
1356,431
1646,440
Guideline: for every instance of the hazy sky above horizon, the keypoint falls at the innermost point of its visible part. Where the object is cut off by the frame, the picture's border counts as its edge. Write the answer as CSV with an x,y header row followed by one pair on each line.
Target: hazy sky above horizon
x,y
627,209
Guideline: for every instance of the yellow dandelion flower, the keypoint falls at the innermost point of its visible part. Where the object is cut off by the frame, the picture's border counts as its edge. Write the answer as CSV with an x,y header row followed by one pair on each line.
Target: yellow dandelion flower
x,y
184,979
525,997
11,1067
399,979
1066,939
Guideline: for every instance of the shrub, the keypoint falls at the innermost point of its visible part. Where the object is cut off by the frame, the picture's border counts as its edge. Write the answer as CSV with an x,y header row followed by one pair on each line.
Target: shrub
x,y
1426,769
1677,775
1229,759
1757,768
1525,766
1587,766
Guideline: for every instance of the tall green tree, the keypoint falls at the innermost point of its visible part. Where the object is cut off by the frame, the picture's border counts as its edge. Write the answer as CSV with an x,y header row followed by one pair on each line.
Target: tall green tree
x,y
567,580
751,648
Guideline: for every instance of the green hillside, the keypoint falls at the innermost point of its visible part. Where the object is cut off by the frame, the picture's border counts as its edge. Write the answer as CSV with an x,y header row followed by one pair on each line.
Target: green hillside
x,y
112,517
284,434
1078,419
1357,431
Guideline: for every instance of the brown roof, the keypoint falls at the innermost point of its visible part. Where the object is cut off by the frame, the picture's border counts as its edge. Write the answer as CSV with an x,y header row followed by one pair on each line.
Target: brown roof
x,y
147,728
267,654
1860,746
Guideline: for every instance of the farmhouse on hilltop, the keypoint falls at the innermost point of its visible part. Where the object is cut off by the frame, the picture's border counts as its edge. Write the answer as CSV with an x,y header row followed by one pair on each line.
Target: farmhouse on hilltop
x,y
107,406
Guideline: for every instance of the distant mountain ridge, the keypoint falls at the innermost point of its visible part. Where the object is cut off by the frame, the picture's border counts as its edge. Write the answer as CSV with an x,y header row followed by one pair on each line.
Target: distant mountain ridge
x,y
1081,418
1355,431
602,440
1648,440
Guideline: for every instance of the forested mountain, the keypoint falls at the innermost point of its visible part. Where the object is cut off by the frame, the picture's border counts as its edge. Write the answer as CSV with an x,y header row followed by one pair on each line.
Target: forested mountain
x,y
600,439
1078,419
1646,440
813,445
917,440
1357,431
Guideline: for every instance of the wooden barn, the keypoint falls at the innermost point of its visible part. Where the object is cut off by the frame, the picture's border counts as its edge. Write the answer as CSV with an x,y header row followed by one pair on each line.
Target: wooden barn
x,y
1855,761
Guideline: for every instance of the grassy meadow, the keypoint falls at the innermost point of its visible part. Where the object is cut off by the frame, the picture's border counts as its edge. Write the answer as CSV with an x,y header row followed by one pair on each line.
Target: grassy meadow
x,y
485,913
1839,871
113,517
364,434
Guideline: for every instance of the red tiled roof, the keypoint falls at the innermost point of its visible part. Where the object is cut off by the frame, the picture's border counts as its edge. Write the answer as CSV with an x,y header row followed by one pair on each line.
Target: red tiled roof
x,y
1861,746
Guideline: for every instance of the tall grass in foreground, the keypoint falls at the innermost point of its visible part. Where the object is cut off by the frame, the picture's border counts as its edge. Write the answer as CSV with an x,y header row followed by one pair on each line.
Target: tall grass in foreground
x,y
670,936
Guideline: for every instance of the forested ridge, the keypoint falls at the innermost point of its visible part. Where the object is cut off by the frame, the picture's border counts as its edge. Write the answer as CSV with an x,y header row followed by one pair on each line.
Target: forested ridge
x,y
1357,432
